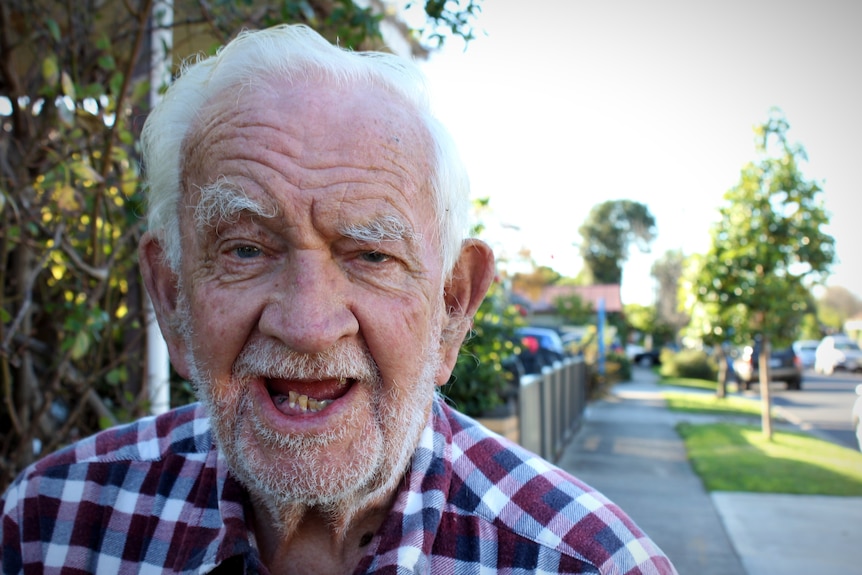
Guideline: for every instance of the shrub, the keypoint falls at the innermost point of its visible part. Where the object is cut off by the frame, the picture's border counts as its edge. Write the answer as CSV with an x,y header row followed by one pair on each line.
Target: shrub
x,y
689,363
480,382
618,368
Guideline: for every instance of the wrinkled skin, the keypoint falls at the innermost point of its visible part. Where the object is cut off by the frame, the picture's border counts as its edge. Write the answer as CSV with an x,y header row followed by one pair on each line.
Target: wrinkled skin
x,y
321,163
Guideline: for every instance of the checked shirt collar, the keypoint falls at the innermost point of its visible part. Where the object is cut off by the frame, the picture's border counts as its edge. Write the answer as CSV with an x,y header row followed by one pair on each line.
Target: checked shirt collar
x,y
403,543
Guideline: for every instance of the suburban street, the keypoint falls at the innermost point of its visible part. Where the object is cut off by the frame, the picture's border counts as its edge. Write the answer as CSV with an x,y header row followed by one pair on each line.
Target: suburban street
x,y
822,406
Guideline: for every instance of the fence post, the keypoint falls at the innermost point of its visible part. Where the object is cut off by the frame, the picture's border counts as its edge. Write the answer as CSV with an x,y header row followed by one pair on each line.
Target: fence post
x,y
546,417
558,421
566,398
550,407
530,413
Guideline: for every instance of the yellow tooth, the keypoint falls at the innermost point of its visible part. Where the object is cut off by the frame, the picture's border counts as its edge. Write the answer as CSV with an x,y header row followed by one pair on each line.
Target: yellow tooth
x,y
297,401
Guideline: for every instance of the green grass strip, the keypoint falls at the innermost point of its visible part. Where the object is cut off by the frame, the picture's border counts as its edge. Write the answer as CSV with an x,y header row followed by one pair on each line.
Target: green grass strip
x,y
708,403
689,382
731,457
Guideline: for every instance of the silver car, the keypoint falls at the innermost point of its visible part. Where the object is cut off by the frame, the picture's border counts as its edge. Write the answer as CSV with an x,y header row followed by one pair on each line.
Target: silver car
x,y
805,350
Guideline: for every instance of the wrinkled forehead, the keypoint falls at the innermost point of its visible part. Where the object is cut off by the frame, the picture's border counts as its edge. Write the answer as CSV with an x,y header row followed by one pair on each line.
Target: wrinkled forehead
x,y
323,114
319,124
316,135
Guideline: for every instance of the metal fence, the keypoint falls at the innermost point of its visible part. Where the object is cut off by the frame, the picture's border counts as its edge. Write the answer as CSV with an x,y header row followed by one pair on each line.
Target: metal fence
x,y
551,406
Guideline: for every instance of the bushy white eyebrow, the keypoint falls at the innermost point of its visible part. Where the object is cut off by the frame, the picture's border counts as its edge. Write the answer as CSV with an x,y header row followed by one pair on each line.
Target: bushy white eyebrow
x,y
224,202
383,229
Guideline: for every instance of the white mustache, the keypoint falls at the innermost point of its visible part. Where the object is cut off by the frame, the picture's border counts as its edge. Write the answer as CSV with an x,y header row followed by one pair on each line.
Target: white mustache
x,y
275,361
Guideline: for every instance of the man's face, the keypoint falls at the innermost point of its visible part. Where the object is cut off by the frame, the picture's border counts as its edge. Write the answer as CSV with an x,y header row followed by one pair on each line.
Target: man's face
x,y
313,334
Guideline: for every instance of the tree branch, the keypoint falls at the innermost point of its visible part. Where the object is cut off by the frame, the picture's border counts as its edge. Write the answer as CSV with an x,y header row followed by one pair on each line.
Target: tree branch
x,y
28,289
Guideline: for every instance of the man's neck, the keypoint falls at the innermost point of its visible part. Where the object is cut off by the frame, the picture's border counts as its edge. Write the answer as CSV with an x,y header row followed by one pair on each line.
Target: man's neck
x,y
308,540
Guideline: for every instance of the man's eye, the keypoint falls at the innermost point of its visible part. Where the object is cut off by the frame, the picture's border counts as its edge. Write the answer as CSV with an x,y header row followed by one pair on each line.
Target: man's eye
x,y
376,257
245,252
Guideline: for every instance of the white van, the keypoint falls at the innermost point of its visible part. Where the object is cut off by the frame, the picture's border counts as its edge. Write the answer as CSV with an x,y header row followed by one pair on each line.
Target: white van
x,y
837,352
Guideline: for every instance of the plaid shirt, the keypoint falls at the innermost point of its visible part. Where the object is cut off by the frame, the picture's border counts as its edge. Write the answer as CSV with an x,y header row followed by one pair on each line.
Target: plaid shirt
x,y
155,496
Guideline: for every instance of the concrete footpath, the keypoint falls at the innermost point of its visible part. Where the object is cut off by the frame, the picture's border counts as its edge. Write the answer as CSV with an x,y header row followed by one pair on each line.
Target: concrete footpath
x,y
629,450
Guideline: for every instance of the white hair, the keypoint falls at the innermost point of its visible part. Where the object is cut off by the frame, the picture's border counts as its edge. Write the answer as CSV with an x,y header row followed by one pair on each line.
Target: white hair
x,y
292,53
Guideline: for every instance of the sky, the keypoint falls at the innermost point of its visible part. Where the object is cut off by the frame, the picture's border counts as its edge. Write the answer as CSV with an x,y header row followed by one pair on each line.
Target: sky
x,y
561,105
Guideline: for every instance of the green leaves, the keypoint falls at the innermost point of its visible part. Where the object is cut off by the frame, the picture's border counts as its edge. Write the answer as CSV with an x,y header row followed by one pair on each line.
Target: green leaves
x,y
479,381
608,231
83,327
450,17
768,246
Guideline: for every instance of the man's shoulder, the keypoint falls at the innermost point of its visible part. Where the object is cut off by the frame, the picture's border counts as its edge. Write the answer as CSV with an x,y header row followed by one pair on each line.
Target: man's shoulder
x,y
155,490
182,433
518,495
490,465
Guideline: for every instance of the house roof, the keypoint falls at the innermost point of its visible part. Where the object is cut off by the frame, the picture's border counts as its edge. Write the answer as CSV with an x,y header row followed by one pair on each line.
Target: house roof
x,y
589,294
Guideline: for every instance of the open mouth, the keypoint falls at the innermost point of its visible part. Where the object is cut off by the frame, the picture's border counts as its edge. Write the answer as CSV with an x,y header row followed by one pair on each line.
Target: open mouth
x,y
303,397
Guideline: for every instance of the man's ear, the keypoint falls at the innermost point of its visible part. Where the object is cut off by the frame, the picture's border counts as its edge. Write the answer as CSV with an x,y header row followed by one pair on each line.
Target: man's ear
x,y
161,283
463,293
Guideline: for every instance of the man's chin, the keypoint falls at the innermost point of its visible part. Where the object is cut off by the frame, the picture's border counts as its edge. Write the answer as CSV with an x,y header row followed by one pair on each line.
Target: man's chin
x,y
309,471
288,483
351,466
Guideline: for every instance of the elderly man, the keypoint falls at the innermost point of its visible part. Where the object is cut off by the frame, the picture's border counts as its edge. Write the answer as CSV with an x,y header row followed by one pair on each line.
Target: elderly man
x,y
307,263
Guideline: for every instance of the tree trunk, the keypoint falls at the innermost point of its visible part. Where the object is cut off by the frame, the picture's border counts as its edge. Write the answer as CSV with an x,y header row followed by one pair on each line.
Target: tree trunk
x,y
723,372
766,398
25,384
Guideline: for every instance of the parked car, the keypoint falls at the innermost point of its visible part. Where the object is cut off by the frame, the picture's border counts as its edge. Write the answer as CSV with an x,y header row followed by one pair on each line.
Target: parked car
x,y
837,352
548,338
805,350
639,355
857,415
784,366
574,339
540,347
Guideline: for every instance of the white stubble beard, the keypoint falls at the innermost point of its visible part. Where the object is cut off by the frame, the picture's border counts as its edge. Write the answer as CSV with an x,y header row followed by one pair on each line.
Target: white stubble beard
x,y
389,438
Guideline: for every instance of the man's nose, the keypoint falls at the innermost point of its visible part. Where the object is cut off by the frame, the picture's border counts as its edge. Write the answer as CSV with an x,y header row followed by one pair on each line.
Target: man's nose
x,y
307,309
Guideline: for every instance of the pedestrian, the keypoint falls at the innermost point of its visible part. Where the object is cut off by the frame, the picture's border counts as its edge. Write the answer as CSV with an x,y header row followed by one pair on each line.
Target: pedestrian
x,y
307,262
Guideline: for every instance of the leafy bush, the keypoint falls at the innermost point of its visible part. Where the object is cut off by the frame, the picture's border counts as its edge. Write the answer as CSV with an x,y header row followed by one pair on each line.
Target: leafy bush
x,y
619,366
688,363
480,382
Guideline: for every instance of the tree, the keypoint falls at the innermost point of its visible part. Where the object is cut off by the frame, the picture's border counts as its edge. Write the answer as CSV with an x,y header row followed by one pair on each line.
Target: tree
x,y
530,284
573,310
74,88
667,271
642,318
765,249
703,315
608,232
809,328
836,305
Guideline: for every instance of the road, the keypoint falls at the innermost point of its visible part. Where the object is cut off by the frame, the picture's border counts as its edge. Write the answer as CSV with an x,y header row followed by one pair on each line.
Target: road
x,y
822,407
